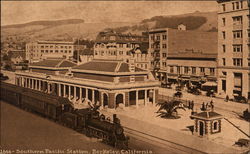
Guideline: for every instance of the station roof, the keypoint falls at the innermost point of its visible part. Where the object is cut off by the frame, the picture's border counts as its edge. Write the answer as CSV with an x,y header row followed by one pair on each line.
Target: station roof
x,y
107,66
56,63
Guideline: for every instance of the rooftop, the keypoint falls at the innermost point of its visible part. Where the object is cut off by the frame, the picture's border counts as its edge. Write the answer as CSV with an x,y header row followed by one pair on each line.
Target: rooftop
x,y
207,115
53,63
106,66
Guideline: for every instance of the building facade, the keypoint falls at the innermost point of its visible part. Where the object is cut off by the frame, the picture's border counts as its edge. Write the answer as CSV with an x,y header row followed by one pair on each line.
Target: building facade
x,y
112,45
233,48
111,83
39,50
190,55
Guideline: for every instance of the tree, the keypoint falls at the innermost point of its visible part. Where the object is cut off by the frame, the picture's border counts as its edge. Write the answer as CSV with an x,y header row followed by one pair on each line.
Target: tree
x,y
168,108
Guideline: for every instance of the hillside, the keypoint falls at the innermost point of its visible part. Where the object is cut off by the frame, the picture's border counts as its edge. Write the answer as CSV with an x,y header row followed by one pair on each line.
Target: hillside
x,y
72,28
199,21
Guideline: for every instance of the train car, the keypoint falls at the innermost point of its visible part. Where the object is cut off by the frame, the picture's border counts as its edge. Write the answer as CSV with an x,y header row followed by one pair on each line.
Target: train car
x,y
45,104
111,133
10,93
76,119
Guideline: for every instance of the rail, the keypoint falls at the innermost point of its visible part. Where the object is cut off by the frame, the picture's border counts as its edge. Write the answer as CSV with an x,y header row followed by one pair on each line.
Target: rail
x,y
186,148
237,127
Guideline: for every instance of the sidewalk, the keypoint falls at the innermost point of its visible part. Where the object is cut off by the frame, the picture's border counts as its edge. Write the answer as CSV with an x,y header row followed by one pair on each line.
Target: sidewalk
x,y
193,142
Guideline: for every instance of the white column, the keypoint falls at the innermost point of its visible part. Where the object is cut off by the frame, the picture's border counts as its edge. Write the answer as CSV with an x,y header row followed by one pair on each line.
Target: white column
x,y
86,93
39,85
136,99
75,93
153,96
80,94
93,95
64,90
69,91
145,97
59,89
101,99
48,87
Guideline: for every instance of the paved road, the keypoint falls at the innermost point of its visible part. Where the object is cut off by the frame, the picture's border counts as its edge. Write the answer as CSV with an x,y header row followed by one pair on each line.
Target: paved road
x,y
228,109
25,131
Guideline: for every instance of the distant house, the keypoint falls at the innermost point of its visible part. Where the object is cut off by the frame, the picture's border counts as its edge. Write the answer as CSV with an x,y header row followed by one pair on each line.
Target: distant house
x,y
17,56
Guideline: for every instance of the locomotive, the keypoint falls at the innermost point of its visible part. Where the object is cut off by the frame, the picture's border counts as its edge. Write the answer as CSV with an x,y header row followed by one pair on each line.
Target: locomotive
x,y
59,109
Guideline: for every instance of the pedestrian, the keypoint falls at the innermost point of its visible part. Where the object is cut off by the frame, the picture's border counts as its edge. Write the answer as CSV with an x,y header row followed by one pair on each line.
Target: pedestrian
x,y
207,105
203,107
192,105
227,98
188,104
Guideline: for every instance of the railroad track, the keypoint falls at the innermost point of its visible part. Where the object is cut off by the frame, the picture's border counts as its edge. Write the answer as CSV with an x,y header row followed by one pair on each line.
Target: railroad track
x,y
176,148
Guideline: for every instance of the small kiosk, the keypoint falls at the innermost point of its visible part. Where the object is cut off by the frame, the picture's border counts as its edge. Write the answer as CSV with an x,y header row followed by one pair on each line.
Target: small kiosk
x,y
207,123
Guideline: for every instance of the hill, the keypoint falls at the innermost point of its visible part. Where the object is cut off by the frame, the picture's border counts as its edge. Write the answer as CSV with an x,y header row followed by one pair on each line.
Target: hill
x,y
199,21
71,28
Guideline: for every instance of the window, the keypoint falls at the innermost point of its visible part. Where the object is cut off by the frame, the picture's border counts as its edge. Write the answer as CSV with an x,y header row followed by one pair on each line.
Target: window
x,y
164,46
215,126
65,51
193,70
158,38
223,61
224,35
164,64
202,69
233,6
178,69
152,37
224,21
224,48
61,47
223,7
42,51
186,70
241,4
237,47
55,50
152,46
164,55
237,5
42,46
237,20
237,34
237,61
248,33
171,69
211,71
164,37
224,73
237,80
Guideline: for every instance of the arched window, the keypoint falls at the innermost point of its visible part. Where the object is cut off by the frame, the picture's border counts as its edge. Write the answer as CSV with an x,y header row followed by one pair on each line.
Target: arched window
x,y
215,125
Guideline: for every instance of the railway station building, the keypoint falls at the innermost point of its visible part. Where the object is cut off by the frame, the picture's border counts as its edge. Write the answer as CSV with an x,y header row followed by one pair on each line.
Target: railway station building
x,y
111,83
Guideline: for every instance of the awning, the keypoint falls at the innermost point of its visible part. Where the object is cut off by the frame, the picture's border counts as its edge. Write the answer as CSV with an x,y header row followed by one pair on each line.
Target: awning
x,y
210,84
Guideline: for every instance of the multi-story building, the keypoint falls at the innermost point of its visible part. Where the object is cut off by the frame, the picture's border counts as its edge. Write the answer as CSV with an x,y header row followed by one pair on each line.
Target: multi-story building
x,y
233,48
112,45
36,51
190,54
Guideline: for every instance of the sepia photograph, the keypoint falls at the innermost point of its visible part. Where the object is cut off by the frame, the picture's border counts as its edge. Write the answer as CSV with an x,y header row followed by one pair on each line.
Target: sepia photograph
x,y
125,77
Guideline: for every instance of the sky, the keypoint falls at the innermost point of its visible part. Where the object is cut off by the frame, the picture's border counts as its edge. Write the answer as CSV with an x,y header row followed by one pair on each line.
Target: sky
x,y
16,12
